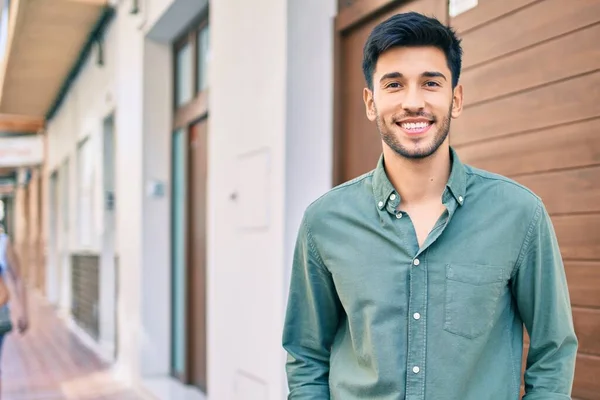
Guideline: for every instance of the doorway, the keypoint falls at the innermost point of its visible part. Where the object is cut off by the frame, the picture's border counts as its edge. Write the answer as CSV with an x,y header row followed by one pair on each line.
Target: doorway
x,y
63,237
108,272
53,273
189,176
197,252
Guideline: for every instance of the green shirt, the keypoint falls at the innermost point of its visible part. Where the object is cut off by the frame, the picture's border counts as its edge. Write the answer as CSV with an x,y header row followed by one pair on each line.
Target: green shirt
x,y
371,315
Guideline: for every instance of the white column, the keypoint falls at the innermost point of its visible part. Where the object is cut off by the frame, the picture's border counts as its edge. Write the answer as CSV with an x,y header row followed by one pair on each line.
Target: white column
x,y
129,188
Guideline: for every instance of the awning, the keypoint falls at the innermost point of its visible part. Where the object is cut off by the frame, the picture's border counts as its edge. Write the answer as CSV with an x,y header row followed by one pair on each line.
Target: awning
x,y
44,41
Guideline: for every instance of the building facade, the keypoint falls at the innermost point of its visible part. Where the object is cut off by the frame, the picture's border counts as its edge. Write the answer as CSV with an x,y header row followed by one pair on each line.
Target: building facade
x,y
189,136
174,195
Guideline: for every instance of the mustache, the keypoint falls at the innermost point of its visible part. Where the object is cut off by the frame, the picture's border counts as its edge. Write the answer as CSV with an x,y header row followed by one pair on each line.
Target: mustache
x,y
420,114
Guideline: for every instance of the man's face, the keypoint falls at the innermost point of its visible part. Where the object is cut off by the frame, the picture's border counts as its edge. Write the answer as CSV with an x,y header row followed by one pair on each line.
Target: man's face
x,y
412,100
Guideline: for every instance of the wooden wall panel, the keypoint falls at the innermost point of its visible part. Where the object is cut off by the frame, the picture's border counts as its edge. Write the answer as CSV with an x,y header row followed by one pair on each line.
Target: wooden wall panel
x,y
570,191
578,236
531,72
485,12
587,384
564,102
587,325
584,283
536,66
541,21
531,77
565,146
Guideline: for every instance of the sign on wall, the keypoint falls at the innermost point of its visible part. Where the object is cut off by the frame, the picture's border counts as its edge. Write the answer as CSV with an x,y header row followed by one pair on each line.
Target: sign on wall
x,y
21,151
458,7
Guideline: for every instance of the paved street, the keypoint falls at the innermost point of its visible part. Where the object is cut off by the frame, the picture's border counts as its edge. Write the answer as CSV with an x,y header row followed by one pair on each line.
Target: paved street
x,y
50,363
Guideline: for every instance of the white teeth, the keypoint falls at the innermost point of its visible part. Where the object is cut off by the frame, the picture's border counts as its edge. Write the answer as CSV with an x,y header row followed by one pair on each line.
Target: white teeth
x,y
412,125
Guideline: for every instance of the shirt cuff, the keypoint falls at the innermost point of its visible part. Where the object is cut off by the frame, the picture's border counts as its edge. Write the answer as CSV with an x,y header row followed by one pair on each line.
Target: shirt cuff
x,y
546,396
312,392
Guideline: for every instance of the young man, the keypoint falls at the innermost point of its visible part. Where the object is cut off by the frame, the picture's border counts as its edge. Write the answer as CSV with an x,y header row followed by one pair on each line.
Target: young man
x,y
414,281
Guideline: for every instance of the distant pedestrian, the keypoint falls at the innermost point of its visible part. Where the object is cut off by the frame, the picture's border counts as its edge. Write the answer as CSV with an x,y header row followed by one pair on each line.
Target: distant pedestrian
x,y
10,267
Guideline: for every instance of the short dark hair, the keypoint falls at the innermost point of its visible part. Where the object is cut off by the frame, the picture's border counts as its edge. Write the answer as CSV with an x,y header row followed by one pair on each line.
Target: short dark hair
x,y
411,30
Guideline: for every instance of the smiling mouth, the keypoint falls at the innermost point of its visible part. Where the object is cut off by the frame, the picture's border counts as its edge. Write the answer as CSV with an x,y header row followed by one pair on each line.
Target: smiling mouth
x,y
413,128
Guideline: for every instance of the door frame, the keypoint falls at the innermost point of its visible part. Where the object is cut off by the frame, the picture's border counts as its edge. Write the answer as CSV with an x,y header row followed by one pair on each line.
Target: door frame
x,y
108,278
184,118
53,260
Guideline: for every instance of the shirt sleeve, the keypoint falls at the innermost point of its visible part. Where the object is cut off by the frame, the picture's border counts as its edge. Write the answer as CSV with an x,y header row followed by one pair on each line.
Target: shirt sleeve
x,y
540,289
311,321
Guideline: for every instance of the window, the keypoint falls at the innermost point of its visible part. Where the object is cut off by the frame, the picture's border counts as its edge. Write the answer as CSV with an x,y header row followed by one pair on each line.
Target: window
x,y
203,55
191,54
184,75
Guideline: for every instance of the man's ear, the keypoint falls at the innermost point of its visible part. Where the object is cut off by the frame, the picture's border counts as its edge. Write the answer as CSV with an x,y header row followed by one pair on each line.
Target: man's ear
x,y
457,101
369,104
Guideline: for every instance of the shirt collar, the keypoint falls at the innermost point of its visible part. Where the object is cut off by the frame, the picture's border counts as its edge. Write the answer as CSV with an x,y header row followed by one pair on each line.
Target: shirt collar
x,y
457,182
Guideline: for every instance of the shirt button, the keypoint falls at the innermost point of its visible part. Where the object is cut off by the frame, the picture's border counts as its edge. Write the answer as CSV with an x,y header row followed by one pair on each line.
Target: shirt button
x,y
380,204
399,215
393,197
417,315
416,370
416,261
460,199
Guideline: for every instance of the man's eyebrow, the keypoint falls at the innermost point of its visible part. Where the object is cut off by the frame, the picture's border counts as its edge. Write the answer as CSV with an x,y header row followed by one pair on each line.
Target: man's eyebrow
x,y
391,75
426,74
433,74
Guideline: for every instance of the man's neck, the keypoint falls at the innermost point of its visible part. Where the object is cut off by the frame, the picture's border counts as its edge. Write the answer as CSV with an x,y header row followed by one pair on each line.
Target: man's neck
x,y
418,180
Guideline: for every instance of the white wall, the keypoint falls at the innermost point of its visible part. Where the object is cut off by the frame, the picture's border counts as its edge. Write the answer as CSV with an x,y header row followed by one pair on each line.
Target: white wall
x,y
271,91
90,100
309,110
156,257
129,186
245,271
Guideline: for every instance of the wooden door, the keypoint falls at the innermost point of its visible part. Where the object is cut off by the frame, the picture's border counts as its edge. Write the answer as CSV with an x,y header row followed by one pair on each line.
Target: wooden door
x,y
197,254
357,142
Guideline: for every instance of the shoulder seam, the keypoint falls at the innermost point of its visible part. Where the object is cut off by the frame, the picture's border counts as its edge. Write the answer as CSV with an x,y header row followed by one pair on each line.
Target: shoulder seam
x,y
505,180
313,247
527,241
344,185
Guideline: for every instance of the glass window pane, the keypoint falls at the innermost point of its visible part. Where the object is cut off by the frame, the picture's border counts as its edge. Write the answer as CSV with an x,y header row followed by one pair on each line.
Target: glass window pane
x,y
178,249
184,75
203,50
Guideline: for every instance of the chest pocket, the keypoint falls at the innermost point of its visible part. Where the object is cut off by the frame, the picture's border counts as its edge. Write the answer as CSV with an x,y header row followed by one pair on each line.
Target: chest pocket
x,y
472,293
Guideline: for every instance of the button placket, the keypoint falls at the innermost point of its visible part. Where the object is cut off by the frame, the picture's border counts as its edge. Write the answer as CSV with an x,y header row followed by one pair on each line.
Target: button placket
x,y
415,361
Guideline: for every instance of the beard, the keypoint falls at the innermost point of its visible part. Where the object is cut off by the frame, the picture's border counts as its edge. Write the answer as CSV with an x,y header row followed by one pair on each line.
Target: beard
x,y
389,138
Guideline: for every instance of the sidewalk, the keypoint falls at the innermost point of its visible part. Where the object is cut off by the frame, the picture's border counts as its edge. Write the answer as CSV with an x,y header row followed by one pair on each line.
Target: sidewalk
x,y
50,363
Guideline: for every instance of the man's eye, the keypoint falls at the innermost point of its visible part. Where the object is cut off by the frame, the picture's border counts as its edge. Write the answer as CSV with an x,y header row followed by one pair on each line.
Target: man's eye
x,y
393,85
432,84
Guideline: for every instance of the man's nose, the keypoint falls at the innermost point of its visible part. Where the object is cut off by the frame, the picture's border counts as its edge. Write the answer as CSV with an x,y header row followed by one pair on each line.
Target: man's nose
x,y
413,101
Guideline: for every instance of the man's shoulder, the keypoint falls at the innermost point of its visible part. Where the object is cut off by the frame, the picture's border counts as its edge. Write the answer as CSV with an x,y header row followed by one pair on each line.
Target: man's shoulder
x,y
341,195
502,188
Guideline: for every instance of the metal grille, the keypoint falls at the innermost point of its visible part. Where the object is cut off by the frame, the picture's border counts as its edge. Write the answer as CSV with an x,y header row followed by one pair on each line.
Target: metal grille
x,y
85,289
